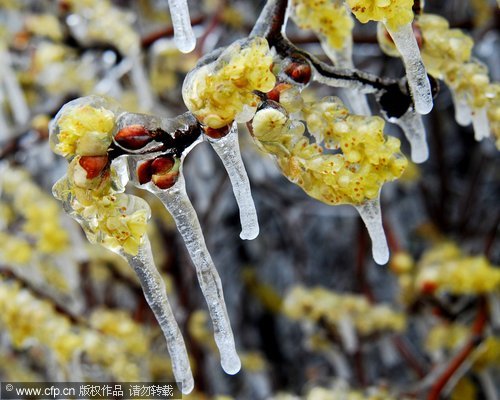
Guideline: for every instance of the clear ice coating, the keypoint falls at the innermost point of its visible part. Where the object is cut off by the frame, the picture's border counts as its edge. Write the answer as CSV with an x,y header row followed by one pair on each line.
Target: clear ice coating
x,y
348,334
156,296
178,204
420,87
463,113
480,123
228,150
342,58
413,127
183,32
372,217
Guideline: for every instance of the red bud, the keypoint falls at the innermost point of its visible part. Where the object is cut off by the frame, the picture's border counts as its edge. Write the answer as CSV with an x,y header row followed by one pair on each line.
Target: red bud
x,y
94,165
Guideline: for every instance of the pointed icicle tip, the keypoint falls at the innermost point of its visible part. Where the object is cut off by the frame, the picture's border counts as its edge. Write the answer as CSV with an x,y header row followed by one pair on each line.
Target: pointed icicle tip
x,y
372,217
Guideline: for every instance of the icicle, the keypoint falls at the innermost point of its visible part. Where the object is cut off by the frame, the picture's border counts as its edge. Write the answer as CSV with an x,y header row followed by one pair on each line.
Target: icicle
x,y
15,94
228,150
183,32
480,123
141,83
339,363
156,296
372,217
489,386
348,334
388,352
463,113
494,308
414,130
342,58
420,88
5,132
178,204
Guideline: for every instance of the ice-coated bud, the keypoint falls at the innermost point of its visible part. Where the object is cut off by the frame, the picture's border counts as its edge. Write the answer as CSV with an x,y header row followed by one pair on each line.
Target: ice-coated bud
x,y
93,165
133,137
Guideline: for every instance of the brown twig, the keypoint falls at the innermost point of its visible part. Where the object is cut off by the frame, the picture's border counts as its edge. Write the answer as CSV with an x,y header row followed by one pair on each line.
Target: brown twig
x,y
476,338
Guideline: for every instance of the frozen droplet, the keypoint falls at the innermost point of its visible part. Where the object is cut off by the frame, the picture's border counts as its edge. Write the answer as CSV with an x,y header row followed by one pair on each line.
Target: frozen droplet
x,y
15,94
156,295
183,32
372,217
480,123
463,113
348,334
413,127
228,150
419,84
178,204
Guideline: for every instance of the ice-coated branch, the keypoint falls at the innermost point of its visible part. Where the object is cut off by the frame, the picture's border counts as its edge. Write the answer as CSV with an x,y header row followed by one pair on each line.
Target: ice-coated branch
x,y
419,84
390,93
228,150
178,204
156,296
183,32
372,217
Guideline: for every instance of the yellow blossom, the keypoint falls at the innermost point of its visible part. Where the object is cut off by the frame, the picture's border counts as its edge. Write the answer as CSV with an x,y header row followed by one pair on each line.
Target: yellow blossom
x,y
395,13
219,93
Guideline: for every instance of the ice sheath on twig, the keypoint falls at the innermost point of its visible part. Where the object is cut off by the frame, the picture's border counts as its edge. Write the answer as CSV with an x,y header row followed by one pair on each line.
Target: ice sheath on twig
x,y
178,204
156,296
419,84
228,150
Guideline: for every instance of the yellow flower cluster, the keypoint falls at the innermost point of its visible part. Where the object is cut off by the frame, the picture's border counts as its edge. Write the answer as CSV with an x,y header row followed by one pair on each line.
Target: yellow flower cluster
x,y
103,212
221,92
14,249
49,57
27,318
109,217
367,159
44,25
330,307
119,325
395,13
166,66
84,130
488,353
443,49
108,24
40,215
15,369
446,337
113,340
444,268
329,19
450,337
